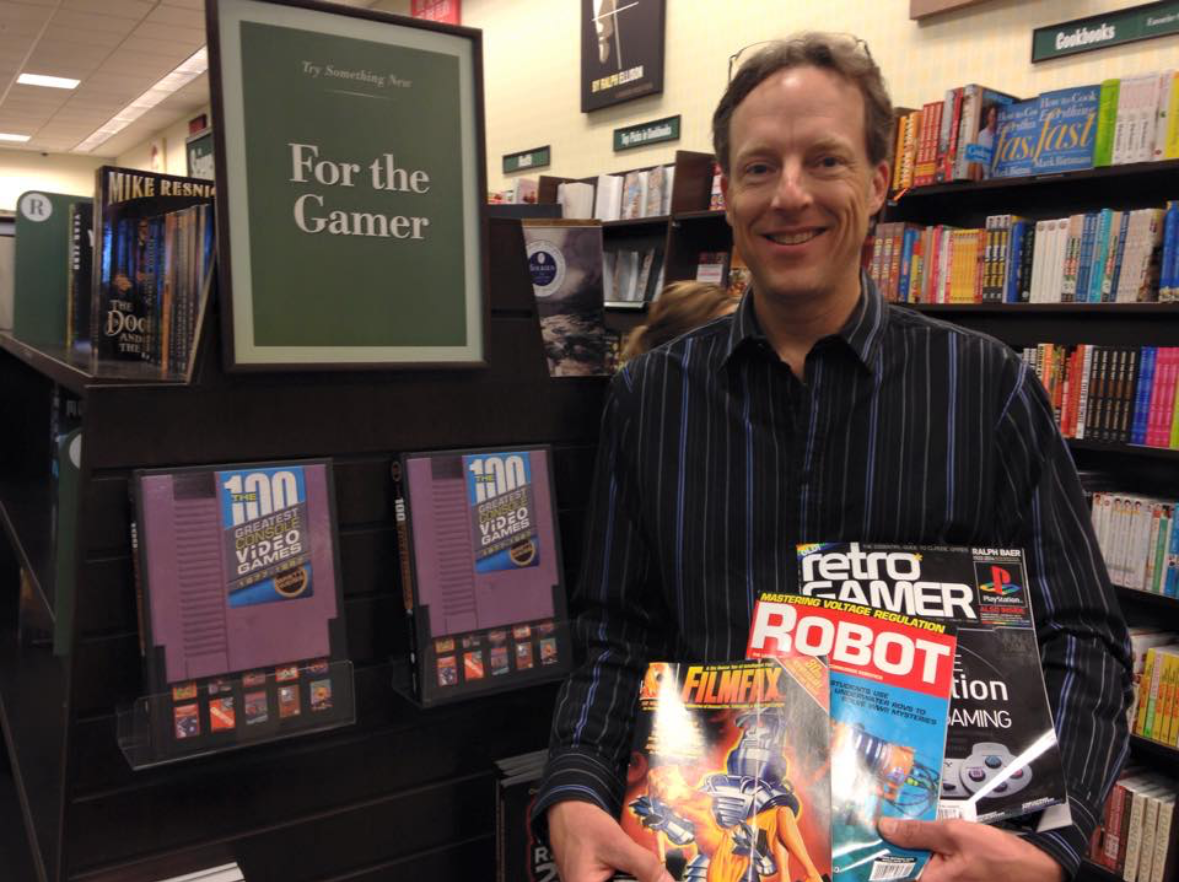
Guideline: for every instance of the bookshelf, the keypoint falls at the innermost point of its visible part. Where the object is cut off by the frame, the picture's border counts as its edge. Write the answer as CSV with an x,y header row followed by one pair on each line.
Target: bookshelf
x,y
85,813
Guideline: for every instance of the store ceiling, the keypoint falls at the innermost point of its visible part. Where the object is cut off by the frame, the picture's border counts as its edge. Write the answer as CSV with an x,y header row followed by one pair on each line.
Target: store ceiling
x,y
117,48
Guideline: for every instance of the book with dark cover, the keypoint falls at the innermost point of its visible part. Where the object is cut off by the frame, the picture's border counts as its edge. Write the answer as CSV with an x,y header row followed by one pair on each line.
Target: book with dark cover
x,y
1015,140
519,854
890,694
481,570
80,279
127,266
240,601
1002,758
41,271
730,772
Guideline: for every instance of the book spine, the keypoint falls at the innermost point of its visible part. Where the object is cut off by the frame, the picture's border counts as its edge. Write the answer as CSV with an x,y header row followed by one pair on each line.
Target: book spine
x,y
1107,116
1162,868
405,560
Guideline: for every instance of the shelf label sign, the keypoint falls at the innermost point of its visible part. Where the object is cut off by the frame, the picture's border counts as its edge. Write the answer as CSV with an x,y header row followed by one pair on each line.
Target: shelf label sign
x,y
538,157
1099,31
629,137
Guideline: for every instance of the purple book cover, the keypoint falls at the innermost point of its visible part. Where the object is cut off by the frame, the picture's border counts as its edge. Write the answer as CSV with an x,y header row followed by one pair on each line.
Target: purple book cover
x,y
484,544
239,566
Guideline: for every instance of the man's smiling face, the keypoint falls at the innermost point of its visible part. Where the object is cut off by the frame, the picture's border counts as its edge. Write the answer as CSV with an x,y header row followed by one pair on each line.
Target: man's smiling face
x,y
800,188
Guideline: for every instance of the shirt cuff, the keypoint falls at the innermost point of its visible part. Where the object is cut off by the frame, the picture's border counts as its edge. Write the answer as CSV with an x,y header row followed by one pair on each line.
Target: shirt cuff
x,y
576,774
1065,845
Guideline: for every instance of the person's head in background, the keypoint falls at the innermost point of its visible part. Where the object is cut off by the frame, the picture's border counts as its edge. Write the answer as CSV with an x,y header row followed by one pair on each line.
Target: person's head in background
x,y
681,307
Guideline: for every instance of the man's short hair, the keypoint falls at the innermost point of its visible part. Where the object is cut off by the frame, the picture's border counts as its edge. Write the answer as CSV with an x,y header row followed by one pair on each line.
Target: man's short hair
x,y
842,54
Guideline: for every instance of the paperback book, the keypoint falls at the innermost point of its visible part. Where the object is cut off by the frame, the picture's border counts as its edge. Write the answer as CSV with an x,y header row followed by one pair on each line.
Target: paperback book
x,y
890,693
241,616
1002,759
481,570
730,770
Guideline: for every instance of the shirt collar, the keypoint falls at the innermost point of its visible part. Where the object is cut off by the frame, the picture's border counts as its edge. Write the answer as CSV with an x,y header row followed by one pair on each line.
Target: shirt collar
x,y
861,332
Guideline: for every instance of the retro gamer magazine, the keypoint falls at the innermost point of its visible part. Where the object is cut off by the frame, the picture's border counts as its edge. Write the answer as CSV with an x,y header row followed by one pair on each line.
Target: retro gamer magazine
x,y
1002,759
729,774
890,693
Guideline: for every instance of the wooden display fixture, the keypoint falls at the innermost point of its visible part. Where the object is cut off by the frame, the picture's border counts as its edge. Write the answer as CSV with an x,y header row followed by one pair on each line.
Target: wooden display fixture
x,y
420,774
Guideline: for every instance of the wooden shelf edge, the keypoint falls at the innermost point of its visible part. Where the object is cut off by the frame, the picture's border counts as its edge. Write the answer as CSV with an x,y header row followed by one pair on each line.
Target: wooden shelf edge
x,y
51,364
1128,449
7,653
957,188
1058,308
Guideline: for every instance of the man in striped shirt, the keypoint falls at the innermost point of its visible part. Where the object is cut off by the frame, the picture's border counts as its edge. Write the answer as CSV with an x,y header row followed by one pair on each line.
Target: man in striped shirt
x,y
818,413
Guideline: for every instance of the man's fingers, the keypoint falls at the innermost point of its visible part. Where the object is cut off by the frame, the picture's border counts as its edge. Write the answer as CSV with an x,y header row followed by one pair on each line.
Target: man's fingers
x,y
627,855
932,835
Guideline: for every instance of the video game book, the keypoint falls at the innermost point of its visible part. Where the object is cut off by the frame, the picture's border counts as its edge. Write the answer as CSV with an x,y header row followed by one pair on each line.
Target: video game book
x,y
890,693
240,600
481,570
1002,759
729,775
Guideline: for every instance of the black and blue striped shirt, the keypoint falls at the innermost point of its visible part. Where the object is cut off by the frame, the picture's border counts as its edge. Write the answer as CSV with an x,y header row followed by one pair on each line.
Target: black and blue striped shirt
x,y
716,461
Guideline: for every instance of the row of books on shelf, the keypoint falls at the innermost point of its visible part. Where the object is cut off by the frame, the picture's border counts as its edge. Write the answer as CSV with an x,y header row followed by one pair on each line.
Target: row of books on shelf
x,y
1111,394
1136,837
840,735
1139,541
726,269
140,259
975,132
632,276
635,195
1106,256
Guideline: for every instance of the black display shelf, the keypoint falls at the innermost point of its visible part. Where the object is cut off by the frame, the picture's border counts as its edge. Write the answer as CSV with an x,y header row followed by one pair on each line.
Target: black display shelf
x,y
25,516
1165,757
636,223
1163,453
708,214
969,188
1061,309
50,361
1146,600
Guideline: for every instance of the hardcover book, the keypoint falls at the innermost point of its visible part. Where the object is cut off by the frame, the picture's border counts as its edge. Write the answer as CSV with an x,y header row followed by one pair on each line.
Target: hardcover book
x,y
1001,757
141,265
1067,130
80,279
1018,129
730,770
481,570
240,601
890,692
41,271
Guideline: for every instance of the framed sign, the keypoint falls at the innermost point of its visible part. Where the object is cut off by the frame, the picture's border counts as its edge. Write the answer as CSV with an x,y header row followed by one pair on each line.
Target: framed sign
x,y
198,150
621,51
350,187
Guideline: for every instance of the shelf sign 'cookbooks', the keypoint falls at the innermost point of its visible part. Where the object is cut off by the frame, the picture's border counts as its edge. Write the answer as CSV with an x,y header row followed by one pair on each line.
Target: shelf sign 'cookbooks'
x,y
481,570
350,177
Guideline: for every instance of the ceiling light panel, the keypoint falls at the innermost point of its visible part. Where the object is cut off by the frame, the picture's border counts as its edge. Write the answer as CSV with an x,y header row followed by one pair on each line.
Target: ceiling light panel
x,y
50,82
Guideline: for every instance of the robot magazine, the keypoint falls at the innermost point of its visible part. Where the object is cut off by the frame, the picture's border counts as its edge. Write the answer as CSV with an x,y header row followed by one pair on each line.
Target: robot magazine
x,y
890,695
730,774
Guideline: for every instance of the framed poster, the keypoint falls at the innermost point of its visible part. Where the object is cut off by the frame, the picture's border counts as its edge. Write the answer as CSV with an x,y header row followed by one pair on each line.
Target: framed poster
x,y
198,150
350,187
621,51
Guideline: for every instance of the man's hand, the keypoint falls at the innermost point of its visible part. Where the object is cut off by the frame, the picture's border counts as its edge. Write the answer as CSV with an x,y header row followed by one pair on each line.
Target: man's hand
x,y
966,852
590,846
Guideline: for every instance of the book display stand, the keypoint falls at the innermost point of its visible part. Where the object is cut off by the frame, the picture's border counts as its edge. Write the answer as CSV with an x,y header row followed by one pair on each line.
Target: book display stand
x,y
235,712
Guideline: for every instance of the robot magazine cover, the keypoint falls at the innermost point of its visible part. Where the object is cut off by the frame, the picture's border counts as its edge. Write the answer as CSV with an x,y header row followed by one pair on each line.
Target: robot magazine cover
x,y
890,696
729,778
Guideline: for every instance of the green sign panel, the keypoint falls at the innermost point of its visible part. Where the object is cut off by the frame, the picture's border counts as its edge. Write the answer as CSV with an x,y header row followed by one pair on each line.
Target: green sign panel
x,y
629,137
527,159
353,189
1099,31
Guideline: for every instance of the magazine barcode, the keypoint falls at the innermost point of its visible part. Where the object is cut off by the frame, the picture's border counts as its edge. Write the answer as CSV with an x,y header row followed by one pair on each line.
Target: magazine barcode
x,y
948,812
894,869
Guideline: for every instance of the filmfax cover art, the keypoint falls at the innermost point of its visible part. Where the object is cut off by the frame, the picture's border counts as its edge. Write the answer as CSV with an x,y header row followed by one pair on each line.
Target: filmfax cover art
x,y
1002,759
240,566
565,262
890,693
729,775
